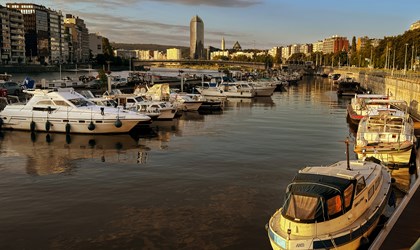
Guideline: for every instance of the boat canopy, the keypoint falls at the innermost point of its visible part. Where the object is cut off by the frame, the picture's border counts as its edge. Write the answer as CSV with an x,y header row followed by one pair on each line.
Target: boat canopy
x,y
315,198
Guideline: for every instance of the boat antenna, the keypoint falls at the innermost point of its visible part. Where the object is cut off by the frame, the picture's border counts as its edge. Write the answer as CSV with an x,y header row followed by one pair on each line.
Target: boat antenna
x,y
347,153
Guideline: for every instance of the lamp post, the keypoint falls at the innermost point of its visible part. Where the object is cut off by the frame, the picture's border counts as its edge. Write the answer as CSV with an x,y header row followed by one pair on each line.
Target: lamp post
x,y
405,59
412,57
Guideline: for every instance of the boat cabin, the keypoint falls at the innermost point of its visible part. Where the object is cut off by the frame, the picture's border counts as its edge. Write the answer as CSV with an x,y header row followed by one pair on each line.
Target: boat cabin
x,y
315,198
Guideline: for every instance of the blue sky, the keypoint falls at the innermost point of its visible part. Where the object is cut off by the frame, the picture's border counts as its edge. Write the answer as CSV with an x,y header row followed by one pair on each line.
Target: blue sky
x,y
258,24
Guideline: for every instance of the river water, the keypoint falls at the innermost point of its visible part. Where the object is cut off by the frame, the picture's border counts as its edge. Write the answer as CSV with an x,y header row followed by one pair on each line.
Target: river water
x,y
203,181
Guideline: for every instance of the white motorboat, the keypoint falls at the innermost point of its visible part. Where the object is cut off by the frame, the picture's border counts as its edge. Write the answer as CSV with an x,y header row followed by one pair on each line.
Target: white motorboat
x,y
226,89
331,207
66,111
186,102
262,88
361,104
386,134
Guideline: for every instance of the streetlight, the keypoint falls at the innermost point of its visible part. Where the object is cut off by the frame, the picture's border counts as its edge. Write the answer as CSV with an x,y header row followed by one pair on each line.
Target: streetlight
x,y
405,59
412,57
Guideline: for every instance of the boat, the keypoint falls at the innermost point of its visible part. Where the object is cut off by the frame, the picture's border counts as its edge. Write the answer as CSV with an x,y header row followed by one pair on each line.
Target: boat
x,y
186,102
361,104
386,134
260,87
349,89
66,111
331,207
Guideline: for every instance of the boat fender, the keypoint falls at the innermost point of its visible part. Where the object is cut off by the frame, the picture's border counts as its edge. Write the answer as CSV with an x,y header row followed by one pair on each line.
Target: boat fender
x,y
49,109
118,123
68,127
91,126
92,143
47,126
68,138
33,137
48,138
102,111
1,122
221,91
33,126
364,242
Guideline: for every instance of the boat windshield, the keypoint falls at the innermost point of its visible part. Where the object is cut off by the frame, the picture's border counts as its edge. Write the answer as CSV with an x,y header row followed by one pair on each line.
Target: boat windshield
x,y
80,102
315,201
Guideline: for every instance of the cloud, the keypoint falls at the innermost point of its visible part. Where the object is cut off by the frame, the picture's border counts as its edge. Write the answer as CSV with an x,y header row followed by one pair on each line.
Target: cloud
x,y
215,3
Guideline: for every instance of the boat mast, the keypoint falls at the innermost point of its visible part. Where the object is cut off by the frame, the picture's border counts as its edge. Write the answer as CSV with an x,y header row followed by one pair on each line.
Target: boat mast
x,y
347,153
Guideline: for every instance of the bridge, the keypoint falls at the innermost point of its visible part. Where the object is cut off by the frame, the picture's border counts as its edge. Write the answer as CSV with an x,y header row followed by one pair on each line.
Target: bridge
x,y
220,63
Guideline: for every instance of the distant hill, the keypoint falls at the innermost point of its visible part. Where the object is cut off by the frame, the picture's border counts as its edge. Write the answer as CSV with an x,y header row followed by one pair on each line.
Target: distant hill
x,y
145,46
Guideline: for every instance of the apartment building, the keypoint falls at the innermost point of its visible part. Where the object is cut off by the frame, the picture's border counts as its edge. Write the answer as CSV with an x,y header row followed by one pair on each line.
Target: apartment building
x,y
12,40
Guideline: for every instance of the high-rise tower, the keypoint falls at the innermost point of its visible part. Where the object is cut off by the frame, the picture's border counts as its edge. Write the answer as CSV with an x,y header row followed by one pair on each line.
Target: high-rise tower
x,y
197,38
223,44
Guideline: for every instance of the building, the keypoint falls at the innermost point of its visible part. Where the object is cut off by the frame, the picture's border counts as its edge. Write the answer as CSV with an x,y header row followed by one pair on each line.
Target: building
x,y
173,54
335,44
95,44
78,38
361,43
158,55
197,38
125,53
57,43
144,54
12,40
274,51
219,53
318,46
237,46
415,25
223,45
37,39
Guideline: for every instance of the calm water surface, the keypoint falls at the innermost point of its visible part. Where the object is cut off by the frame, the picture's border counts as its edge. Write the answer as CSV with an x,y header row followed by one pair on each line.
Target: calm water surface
x,y
200,182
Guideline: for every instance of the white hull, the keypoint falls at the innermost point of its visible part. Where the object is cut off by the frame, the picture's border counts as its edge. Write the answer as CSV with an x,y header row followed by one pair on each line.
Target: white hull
x,y
264,91
102,126
189,106
401,158
166,114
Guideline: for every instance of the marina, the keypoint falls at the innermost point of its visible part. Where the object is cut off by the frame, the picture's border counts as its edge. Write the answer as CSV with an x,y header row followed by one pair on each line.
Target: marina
x,y
208,180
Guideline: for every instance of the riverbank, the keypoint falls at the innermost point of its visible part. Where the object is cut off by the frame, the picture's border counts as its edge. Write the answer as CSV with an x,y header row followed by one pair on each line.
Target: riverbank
x,y
35,68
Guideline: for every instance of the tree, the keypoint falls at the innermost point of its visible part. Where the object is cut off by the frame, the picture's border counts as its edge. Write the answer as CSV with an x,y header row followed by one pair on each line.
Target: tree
x,y
353,46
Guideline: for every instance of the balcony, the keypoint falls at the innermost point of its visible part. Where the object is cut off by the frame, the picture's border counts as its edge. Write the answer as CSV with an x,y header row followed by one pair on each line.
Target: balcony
x,y
16,20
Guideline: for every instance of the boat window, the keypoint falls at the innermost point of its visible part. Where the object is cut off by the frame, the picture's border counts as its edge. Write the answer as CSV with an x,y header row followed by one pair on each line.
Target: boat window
x,y
370,192
360,185
131,101
348,195
45,102
302,207
334,205
60,103
78,102
377,182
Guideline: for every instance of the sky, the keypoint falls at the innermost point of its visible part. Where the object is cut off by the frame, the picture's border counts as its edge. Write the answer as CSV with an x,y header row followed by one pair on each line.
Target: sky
x,y
259,24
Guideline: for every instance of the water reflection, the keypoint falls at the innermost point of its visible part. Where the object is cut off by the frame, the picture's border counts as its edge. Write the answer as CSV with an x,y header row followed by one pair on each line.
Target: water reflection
x,y
44,153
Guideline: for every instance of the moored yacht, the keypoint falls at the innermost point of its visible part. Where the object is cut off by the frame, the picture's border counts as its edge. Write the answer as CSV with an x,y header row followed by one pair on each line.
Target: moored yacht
x,y
386,134
331,207
66,111
361,104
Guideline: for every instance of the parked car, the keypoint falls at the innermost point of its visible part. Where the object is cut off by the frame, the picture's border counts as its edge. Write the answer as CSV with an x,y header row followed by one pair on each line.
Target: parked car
x,y
12,88
94,84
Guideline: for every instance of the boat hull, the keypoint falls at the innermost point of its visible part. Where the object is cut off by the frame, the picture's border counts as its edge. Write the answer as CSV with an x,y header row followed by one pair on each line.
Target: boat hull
x,y
59,125
387,153
350,241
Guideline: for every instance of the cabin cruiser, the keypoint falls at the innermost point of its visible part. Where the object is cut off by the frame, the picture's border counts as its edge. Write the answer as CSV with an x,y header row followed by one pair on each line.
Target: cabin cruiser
x,y
349,89
361,104
331,207
386,134
64,110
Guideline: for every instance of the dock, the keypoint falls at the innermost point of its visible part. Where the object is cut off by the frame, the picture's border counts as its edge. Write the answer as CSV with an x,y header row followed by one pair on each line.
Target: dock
x,y
402,230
